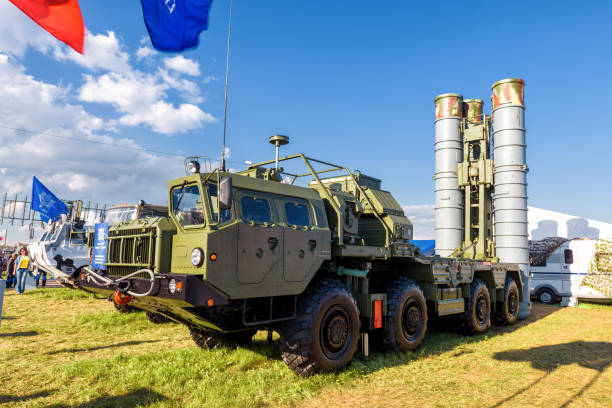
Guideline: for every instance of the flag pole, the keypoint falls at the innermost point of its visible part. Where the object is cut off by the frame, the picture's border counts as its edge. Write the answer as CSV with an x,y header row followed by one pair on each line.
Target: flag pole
x,y
229,35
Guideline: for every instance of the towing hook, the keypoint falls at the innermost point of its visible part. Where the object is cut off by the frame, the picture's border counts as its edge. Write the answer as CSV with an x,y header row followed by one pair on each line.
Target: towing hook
x,y
122,298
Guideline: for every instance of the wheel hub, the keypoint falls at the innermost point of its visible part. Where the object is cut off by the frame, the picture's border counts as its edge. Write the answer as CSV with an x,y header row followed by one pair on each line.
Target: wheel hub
x,y
512,304
412,319
481,309
335,332
546,297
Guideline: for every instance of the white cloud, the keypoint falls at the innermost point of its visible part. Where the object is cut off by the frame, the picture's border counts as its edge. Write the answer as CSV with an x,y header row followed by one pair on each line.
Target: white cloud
x,y
70,168
140,98
165,118
145,52
102,51
423,220
189,90
126,92
208,79
182,64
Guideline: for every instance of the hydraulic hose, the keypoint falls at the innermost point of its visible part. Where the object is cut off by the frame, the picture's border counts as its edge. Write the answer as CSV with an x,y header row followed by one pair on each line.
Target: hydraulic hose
x,y
104,281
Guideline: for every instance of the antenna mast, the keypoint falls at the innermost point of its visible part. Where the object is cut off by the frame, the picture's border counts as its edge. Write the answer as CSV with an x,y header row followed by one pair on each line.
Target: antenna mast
x,y
229,35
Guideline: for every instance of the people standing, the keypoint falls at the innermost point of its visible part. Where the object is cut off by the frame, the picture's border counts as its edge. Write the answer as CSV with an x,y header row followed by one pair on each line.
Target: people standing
x,y
40,273
10,271
22,268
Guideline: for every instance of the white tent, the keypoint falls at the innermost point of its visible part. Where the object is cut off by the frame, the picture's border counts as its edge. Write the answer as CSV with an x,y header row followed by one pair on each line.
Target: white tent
x,y
546,223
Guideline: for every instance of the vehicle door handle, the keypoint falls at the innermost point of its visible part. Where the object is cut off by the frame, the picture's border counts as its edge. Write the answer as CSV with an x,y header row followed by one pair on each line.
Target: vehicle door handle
x,y
273,243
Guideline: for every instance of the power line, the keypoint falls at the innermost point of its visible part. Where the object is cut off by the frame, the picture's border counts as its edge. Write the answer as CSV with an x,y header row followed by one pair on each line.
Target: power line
x,y
142,149
91,141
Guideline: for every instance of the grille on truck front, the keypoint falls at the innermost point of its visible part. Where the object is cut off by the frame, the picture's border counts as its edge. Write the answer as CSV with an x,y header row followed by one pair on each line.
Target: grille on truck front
x,y
130,250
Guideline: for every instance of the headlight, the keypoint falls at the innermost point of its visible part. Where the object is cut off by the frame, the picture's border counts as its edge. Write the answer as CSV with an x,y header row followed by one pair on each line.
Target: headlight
x,y
196,257
172,286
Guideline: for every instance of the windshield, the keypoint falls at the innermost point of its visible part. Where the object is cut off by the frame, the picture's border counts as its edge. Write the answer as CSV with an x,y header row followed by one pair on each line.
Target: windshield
x,y
226,215
187,205
58,229
120,214
43,236
148,211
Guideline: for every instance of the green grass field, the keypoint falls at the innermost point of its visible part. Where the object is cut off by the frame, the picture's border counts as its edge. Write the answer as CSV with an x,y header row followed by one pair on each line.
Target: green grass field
x,y
62,347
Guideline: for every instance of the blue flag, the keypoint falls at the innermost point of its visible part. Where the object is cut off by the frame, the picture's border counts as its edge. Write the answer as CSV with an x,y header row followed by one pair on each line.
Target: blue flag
x,y
174,25
46,203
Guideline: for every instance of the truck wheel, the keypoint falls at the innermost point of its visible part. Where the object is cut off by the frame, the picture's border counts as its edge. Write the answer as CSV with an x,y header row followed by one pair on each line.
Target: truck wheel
x,y
157,318
477,315
508,312
125,308
211,340
325,332
406,320
546,296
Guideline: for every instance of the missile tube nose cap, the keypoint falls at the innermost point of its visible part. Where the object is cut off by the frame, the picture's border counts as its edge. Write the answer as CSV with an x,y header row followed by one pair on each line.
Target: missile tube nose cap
x,y
508,92
448,105
472,110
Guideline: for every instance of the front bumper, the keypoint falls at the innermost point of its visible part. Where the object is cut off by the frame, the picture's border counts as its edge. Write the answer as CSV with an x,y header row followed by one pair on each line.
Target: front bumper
x,y
183,307
195,292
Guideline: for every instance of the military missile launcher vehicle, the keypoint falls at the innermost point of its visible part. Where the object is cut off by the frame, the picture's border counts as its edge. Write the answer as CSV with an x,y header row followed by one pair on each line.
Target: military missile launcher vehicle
x,y
329,265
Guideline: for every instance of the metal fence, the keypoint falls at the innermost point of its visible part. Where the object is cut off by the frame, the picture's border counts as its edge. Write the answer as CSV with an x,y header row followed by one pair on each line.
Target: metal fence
x,y
18,211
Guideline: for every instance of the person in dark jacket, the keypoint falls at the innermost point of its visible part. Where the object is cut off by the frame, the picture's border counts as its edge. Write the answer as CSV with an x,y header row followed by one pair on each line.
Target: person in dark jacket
x,y
10,271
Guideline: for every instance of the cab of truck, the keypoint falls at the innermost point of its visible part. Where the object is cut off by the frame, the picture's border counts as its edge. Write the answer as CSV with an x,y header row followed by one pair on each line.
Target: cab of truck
x,y
128,212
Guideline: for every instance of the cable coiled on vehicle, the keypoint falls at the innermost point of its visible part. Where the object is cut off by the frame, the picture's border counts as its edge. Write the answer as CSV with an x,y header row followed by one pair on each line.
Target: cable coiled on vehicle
x,y
107,282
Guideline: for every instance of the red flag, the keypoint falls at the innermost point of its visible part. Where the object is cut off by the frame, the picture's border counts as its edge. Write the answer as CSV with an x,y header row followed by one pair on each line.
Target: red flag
x,y
61,18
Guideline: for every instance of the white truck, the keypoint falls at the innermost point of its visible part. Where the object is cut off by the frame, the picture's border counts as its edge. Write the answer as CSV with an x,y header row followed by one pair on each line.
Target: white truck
x,y
576,268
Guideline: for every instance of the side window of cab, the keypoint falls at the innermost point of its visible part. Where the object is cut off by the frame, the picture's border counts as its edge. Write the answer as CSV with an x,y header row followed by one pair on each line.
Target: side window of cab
x,y
255,209
226,215
297,214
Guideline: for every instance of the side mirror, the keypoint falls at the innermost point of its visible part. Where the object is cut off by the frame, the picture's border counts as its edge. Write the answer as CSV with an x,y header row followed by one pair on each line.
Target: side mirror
x,y
225,193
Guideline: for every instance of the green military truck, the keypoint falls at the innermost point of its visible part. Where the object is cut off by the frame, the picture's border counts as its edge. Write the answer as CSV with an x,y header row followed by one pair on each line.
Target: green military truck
x,y
329,265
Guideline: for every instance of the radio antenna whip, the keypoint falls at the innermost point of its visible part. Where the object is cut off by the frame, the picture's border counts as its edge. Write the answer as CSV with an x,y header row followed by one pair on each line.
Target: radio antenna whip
x,y
229,35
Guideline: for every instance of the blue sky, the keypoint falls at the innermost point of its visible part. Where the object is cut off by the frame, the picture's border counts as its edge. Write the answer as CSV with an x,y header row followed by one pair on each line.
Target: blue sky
x,y
351,82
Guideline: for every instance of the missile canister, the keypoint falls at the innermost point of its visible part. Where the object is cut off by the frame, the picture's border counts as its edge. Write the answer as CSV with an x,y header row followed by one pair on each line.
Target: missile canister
x,y
448,151
472,110
510,180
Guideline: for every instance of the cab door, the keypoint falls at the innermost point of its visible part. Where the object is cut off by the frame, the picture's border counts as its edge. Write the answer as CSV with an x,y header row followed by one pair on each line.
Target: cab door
x,y
302,241
259,240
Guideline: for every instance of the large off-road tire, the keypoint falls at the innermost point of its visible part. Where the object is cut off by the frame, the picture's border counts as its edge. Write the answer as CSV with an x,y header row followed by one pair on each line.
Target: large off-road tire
x,y
546,296
508,310
125,308
477,315
210,340
157,318
406,321
325,333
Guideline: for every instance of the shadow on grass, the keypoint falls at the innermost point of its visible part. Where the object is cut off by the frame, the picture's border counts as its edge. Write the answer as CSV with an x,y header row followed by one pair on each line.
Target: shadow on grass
x,y
5,399
139,397
596,355
441,337
125,343
19,334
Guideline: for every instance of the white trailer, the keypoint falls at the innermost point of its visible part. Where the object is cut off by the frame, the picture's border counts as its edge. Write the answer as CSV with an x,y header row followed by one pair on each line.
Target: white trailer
x,y
577,268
